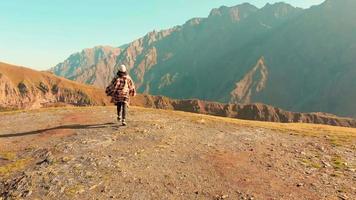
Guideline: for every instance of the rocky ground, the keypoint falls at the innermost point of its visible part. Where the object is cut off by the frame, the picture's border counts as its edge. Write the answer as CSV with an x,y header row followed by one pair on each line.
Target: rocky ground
x,y
83,153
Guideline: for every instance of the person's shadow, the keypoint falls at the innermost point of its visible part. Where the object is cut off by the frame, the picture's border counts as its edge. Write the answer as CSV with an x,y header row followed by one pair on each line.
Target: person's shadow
x,y
71,126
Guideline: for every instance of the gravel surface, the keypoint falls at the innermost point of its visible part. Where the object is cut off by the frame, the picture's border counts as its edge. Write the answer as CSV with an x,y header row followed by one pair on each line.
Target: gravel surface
x,y
83,153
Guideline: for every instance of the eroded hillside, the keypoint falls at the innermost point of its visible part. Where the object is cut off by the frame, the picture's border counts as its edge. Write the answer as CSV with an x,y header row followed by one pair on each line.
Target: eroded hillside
x,y
23,88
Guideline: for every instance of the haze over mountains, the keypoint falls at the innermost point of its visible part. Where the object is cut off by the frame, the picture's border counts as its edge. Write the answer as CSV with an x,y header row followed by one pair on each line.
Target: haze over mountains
x,y
299,60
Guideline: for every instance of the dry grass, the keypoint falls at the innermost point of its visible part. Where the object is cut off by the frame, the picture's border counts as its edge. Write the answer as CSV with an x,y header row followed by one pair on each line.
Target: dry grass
x,y
336,136
7,109
339,163
14,166
52,109
310,163
293,128
7,155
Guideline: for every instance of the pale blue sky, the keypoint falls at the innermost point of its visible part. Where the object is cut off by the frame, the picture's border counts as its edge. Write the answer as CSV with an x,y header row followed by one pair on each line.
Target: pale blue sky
x,y
41,33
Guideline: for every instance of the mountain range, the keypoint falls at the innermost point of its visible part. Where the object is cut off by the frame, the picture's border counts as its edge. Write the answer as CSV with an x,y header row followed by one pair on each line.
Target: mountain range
x,y
296,59
23,88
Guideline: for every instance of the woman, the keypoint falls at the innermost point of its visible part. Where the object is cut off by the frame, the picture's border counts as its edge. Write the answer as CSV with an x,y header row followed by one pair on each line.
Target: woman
x,y
120,90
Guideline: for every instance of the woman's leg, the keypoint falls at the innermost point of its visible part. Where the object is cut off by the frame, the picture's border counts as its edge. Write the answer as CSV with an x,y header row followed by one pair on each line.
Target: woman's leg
x,y
124,110
118,107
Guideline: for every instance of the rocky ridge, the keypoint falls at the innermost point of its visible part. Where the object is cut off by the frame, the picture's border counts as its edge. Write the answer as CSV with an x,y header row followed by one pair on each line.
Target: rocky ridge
x,y
23,88
259,112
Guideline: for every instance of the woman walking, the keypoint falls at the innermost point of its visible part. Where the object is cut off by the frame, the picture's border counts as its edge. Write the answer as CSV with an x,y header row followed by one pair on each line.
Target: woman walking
x,y
120,90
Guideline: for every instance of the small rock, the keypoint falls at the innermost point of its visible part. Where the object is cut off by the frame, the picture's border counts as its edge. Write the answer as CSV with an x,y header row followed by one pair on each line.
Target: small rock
x,y
300,184
221,197
351,169
342,197
80,191
104,189
48,158
326,164
65,159
27,193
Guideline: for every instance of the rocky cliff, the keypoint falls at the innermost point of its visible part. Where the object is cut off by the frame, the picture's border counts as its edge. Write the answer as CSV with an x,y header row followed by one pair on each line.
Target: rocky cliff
x,y
92,66
23,88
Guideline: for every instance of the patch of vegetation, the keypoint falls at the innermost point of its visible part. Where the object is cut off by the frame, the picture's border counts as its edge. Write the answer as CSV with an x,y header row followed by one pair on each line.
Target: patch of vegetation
x,y
22,88
85,99
55,105
338,163
14,167
43,87
337,141
7,109
55,89
336,174
310,163
76,189
7,155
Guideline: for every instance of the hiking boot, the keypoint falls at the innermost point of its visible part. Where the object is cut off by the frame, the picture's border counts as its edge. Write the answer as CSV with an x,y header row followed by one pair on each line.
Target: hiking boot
x,y
124,122
119,118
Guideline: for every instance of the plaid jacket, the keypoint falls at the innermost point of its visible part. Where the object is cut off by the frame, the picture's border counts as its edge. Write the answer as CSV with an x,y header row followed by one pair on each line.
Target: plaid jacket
x,y
120,89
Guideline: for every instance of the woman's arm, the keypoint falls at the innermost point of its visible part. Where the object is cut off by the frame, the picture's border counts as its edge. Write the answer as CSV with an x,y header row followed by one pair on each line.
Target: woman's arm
x,y
132,88
110,89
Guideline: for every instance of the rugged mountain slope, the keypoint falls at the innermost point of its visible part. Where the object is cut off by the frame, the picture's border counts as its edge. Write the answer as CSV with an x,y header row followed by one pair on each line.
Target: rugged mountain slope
x,y
311,60
25,88
308,58
90,66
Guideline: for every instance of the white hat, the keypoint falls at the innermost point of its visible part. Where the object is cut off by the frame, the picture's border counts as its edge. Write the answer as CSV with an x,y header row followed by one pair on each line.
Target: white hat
x,y
122,68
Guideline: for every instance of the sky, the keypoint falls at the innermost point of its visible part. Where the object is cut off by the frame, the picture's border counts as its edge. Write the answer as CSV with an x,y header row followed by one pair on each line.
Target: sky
x,y
41,33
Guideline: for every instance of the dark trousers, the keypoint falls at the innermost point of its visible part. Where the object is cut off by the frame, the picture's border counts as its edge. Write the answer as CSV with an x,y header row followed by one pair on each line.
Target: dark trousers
x,y
121,109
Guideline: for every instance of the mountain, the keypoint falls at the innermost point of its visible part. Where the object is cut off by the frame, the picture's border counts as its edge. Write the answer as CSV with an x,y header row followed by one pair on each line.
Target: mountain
x,y
23,88
90,66
299,60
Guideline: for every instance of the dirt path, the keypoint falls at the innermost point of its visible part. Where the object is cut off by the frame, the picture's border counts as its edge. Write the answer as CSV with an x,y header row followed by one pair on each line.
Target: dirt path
x,y
82,153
